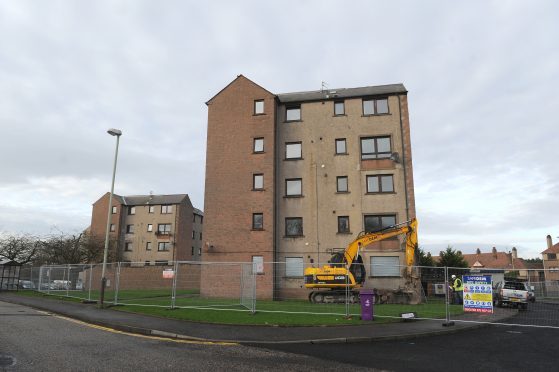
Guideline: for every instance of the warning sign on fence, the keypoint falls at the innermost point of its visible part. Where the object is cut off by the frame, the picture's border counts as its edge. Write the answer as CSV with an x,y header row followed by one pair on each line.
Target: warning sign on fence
x,y
168,274
478,294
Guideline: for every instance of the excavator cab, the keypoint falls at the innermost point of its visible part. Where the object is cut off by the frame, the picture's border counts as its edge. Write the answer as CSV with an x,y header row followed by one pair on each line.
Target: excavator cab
x,y
337,260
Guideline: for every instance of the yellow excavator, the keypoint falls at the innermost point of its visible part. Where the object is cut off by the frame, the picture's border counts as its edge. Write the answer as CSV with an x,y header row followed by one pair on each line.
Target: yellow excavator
x,y
345,272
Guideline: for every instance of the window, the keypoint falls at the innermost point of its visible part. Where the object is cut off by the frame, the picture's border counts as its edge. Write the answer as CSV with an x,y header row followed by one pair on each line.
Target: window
x,y
294,266
128,246
257,221
161,263
339,108
199,251
552,256
294,187
343,224
193,234
257,181
380,183
385,266
148,246
164,228
293,113
147,263
194,218
113,210
166,209
150,227
258,264
132,210
341,147
258,145
375,148
294,226
259,107
151,209
192,251
375,106
341,183
163,246
130,229
293,150
112,228
375,223
200,236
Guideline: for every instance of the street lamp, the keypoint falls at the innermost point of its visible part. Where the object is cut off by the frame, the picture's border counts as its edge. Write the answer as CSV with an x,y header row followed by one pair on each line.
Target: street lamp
x,y
117,133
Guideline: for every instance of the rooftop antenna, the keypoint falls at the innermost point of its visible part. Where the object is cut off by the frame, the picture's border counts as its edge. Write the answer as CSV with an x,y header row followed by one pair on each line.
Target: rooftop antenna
x,y
323,87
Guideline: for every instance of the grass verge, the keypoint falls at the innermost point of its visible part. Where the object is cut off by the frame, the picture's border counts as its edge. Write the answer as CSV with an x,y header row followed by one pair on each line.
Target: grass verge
x,y
280,313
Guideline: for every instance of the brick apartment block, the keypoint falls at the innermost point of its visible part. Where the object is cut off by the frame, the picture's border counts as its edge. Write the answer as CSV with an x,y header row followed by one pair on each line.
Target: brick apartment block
x,y
291,178
150,229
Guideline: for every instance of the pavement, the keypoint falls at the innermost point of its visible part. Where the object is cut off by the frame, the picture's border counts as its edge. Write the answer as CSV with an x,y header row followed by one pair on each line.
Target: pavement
x,y
252,334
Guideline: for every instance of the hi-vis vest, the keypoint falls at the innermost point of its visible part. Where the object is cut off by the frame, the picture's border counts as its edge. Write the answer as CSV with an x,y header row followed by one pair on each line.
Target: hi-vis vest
x,y
458,286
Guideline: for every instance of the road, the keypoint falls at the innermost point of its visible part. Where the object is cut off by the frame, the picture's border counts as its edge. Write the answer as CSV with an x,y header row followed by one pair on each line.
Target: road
x,y
491,348
37,341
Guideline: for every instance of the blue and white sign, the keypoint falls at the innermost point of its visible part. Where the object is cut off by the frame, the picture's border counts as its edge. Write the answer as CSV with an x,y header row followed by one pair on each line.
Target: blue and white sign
x,y
478,294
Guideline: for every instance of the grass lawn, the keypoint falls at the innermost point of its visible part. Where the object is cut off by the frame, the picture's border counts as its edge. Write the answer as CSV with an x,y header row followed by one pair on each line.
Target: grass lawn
x,y
229,311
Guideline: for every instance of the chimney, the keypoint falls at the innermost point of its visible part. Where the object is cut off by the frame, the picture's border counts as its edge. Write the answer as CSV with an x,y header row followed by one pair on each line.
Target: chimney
x,y
514,253
549,242
494,251
478,251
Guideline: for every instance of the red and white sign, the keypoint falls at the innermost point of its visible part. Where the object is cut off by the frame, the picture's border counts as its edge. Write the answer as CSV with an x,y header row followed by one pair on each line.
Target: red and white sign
x,y
168,274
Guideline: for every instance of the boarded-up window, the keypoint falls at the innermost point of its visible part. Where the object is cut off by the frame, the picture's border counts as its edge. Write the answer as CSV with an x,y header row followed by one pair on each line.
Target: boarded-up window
x,y
385,266
294,266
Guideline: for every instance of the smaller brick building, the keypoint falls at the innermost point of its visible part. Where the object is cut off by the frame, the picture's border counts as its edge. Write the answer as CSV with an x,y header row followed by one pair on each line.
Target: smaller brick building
x,y
150,229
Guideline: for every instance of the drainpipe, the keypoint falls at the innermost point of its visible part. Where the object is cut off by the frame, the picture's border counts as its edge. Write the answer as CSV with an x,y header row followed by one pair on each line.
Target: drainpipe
x,y
404,159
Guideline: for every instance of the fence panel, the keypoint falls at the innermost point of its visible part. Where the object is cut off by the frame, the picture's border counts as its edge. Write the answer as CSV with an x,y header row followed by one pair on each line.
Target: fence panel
x,y
517,297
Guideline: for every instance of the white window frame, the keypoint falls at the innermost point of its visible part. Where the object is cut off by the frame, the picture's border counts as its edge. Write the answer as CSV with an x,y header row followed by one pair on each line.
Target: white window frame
x,y
258,107
291,151
295,181
293,109
258,181
344,141
258,145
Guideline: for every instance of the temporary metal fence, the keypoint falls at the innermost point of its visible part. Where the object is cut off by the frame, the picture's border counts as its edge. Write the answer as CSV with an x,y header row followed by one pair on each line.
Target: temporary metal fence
x,y
417,292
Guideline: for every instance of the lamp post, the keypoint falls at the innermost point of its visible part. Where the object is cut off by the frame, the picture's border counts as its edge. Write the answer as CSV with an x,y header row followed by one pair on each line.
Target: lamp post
x,y
117,133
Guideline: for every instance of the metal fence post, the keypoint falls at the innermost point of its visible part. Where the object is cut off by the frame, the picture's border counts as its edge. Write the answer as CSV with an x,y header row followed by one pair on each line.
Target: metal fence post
x,y
90,278
254,273
174,288
347,292
68,283
40,278
49,271
117,284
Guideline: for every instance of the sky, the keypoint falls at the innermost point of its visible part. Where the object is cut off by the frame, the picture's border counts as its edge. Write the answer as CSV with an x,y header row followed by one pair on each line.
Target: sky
x,y
482,79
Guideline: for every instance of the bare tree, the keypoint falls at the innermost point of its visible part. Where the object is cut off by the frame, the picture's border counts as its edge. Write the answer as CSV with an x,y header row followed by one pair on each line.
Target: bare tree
x,y
71,249
22,249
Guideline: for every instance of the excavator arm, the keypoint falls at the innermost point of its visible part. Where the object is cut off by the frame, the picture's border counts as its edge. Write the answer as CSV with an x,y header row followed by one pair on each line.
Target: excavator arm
x,y
409,228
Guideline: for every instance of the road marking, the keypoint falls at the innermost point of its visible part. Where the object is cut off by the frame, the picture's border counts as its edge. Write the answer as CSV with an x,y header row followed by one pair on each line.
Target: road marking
x,y
112,330
514,332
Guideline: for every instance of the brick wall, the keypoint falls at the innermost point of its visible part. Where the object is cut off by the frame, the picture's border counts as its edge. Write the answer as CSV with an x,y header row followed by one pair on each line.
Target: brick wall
x,y
230,164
